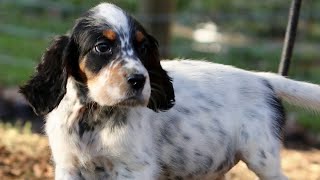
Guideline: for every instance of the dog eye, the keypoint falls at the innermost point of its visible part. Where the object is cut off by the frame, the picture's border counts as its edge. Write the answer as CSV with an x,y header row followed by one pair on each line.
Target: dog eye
x,y
103,48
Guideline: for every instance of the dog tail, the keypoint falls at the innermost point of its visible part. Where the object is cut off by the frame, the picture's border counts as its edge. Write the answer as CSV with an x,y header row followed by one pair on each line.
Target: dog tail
x,y
298,93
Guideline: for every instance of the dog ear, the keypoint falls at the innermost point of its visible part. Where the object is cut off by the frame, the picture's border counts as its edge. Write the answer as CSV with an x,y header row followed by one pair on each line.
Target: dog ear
x,y
162,92
47,86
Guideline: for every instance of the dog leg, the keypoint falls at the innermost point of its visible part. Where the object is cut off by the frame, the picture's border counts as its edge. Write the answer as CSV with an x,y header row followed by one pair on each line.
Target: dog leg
x,y
265,162
62,173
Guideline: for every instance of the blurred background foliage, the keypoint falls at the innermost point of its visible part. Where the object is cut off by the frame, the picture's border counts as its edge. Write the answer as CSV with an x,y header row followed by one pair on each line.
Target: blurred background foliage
x,y
244,33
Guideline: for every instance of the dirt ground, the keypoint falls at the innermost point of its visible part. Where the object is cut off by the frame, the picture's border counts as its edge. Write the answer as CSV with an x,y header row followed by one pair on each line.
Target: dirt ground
x,y
297,165
26,156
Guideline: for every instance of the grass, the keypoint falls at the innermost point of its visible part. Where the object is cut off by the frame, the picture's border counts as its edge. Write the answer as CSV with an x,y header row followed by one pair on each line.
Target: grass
x,y
22,47
12,76
29,143
308,119
18,57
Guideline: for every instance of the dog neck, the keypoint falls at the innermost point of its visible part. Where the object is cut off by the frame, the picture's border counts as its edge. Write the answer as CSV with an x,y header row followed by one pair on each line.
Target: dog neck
x,y
77,109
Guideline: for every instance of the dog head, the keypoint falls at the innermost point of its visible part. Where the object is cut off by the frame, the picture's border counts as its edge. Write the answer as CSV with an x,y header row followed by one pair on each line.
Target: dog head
x,y
108,53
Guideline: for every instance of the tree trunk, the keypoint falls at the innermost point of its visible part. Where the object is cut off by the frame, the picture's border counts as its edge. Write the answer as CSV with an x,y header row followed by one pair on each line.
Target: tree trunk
x,y
156,16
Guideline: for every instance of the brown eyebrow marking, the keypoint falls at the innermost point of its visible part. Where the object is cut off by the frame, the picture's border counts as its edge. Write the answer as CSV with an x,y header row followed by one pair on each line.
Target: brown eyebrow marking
x,y
139,36
109,34
84,72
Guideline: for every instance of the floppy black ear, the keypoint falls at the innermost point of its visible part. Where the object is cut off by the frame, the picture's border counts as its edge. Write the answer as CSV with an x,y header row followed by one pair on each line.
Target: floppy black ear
x,y
47,86
162,92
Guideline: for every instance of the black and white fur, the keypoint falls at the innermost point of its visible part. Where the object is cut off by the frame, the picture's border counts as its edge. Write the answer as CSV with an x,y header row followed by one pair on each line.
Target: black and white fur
x,y
104,124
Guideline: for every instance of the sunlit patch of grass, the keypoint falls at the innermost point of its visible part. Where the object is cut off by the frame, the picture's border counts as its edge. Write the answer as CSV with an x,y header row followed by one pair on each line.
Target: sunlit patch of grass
x,y
18,138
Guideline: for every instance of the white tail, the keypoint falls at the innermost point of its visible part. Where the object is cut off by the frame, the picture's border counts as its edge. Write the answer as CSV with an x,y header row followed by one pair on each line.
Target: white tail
x,y
295,92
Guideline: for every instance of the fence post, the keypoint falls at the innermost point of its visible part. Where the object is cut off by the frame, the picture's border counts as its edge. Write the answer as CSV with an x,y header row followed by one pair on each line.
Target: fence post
x,y
290,36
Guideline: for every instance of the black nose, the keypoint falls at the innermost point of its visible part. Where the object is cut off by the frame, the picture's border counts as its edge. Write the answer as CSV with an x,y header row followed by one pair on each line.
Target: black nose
x,y
137,81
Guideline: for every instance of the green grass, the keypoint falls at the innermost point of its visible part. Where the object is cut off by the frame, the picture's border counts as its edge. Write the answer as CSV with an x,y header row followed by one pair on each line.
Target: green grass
x,y
44,23
18,56
22,47
12,76
308,119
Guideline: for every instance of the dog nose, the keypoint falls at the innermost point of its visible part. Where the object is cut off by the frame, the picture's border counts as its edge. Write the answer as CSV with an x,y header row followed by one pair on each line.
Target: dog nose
x,y
136,81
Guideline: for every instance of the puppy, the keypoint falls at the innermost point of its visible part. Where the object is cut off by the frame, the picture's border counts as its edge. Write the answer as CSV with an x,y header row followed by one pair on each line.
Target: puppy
x,y
113,111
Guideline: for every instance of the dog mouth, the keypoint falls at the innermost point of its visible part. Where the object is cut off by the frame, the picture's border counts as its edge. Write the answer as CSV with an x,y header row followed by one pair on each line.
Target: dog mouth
x,y
133,100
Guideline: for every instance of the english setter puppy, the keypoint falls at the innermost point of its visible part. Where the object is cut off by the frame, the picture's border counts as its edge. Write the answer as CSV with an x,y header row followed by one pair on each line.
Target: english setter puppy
x,y
113,111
